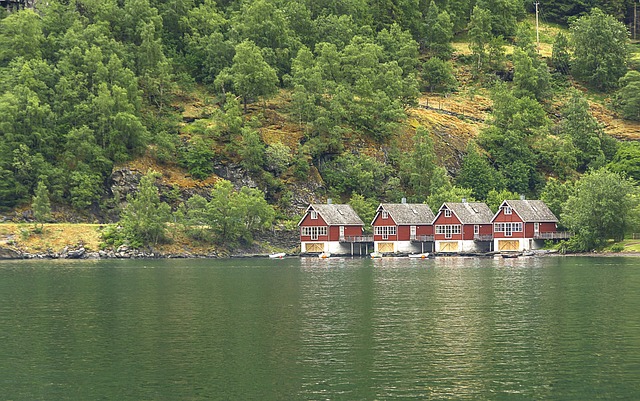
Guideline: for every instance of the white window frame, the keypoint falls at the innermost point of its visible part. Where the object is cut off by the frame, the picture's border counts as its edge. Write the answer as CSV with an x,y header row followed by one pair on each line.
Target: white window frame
x,y
341,232
507,210
313,231
412,232
476,229
447,213
448,230
314,215
385,231
385,214
507,228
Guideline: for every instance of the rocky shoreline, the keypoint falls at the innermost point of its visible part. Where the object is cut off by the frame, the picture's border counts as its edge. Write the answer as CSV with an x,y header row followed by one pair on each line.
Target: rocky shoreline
x,y
122,252
125,252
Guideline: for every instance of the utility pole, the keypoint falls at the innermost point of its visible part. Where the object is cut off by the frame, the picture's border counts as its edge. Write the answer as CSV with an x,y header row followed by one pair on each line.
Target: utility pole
x,y
635,19
537,29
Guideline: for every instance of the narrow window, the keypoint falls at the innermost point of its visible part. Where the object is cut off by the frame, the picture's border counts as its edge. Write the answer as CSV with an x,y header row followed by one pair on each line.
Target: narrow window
x,y
447,213
314,215
507,210
385,214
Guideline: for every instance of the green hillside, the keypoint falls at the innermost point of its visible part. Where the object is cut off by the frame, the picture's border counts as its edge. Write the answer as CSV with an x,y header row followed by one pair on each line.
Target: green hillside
x,y
358,101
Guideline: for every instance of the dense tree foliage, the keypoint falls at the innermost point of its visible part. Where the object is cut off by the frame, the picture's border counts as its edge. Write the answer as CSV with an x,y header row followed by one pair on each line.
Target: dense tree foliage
x,y
228,217
626,161
365,208
560,58
600,49
628,97
41,205
477,174
593,146
437,76
86,86
514,132
599,208
144,217
565,10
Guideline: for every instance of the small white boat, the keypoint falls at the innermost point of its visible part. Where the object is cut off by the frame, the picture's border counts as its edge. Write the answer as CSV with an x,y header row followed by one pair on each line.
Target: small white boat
x,y
278,255
419,255
324,255
376,255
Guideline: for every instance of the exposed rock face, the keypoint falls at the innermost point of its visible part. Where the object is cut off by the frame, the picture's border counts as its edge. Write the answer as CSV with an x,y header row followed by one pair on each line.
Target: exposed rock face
x,y
124,182
8,253
234,173
279,238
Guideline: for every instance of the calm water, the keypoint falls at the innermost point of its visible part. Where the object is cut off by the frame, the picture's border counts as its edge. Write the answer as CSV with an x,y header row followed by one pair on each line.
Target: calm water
x,y
338,329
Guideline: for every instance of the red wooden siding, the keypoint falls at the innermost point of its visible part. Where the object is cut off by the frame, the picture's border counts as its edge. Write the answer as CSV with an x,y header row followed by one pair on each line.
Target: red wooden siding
x,y
468,231
510,218
403,232
528,228
507,218
379,221
308,221
442,220
349,231
528,231
486,229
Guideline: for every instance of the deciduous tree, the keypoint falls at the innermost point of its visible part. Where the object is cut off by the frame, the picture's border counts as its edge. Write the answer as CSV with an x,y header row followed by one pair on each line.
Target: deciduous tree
x,y
594,146
477,174
437,76
252,77
560,58
480,34
438,32
41,205
144,218
628,97
600,49
599,208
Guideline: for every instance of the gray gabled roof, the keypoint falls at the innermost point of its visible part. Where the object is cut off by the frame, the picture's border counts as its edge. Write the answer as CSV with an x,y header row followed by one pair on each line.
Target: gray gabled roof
x,y
336,215
408,213
531,210
470,212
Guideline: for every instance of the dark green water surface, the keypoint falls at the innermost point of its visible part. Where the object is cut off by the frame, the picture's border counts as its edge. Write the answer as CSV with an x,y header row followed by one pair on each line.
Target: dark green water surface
x,y
309,329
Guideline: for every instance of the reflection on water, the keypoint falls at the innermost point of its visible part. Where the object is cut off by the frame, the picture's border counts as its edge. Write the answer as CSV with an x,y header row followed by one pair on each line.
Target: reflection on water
x,y
339,328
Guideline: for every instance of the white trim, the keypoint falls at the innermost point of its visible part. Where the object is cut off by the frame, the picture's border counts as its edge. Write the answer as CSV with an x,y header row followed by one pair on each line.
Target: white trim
x,y
448,229
385,231
313,231
515,227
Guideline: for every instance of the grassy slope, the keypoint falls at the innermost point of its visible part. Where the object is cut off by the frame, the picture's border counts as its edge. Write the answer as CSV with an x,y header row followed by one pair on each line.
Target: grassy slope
x,y
55,237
